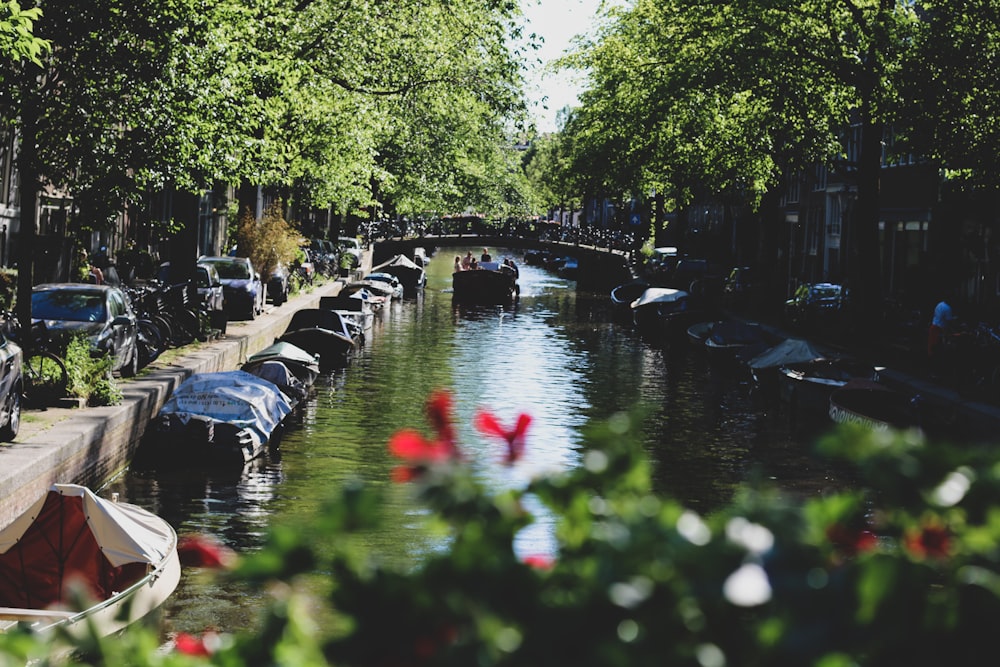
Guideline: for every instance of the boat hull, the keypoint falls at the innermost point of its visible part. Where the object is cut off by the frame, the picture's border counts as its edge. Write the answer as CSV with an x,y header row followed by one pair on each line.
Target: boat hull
x,y
484,286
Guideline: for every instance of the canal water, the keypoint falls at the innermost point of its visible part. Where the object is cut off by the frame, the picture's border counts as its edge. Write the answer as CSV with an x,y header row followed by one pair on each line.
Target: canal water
x,y
558,355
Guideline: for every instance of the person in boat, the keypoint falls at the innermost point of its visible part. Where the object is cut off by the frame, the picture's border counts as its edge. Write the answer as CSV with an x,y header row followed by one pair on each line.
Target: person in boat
x,y
486,257
467,261
458,264
473,265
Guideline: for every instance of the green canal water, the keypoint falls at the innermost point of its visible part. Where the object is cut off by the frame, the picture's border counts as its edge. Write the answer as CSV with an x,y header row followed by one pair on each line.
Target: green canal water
x,y
558,355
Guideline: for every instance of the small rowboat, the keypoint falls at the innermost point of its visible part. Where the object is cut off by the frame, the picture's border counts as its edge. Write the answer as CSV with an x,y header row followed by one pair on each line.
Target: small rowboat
x,y
123,556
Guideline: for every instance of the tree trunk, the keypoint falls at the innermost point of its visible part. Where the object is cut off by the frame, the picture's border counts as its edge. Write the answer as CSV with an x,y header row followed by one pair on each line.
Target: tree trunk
x,y
27,166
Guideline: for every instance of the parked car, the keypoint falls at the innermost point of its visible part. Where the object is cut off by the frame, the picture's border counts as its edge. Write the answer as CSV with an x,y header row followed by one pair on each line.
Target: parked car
x,y
814,304
241,285
278,285
11,388
100,312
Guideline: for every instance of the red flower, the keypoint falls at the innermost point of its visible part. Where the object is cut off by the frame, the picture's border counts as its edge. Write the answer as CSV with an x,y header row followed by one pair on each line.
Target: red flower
x,y
931,541
411,446
439,407
851,541
204,551
540,562
190,645
488,424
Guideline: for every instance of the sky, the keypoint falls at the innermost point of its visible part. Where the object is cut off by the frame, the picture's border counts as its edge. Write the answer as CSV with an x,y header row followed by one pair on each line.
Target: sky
x,y
558,21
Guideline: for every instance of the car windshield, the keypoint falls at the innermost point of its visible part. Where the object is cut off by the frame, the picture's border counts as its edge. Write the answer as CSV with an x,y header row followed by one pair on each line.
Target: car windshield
x,y
826,291
232,270
68,305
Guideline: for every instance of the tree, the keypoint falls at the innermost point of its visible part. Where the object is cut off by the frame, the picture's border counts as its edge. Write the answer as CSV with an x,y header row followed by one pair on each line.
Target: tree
x,y
726,95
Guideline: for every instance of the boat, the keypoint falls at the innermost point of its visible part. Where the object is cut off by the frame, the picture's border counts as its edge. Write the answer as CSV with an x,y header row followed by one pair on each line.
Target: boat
x,y
223,417
122,555
764,367
806,386
321,332
874,406
387,279
731,340
355,309
376,298
377,287
409,272
662,311
623,295
304,365
698,333
490,284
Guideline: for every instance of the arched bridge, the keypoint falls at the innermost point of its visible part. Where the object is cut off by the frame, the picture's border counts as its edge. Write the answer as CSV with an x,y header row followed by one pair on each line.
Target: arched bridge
x,y
599,268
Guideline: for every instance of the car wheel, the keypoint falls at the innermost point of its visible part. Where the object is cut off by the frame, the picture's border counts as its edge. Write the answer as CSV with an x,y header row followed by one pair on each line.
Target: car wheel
x,y
9,430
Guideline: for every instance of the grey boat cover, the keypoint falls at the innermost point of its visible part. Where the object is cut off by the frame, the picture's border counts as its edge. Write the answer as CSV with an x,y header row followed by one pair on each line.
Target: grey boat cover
x,y
235,397
789,351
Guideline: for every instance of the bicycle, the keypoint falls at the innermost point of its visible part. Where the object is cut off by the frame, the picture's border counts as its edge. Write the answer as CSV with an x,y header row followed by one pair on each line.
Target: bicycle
x,y
44,371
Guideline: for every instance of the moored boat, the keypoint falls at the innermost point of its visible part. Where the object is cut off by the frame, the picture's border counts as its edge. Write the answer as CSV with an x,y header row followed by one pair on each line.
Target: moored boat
x,y
874,406
806,386
304,365
623,295
764,367
410,274
662,311
122,555
733,340
490,283
224,417
321,332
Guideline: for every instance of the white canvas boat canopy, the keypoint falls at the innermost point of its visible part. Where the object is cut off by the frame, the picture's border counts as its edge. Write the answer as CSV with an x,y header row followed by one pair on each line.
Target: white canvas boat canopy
x,y
125,533
789,351
235,397
659,295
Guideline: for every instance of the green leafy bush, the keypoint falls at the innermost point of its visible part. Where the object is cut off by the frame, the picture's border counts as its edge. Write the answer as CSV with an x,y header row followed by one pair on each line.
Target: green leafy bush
x,y
90,377
904,570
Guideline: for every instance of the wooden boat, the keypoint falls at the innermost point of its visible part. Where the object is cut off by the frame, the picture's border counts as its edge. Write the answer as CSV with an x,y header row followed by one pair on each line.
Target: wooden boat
x,y
225,417
806,386
321,332
409,272
490,283
302,364
122,555
874,406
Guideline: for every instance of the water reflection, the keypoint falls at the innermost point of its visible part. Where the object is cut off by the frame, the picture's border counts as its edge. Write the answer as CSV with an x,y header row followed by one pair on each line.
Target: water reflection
x,y
556,354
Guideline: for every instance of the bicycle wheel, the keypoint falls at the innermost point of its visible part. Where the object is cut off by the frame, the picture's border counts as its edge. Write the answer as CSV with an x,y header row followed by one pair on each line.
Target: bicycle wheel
x,y
45,378
149,340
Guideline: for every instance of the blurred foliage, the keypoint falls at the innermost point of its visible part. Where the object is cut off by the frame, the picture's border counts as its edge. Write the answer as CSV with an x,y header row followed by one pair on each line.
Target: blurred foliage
x,y
903,570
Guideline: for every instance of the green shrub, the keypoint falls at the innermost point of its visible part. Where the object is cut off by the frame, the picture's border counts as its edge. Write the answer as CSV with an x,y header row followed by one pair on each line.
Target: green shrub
x,y
90,377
